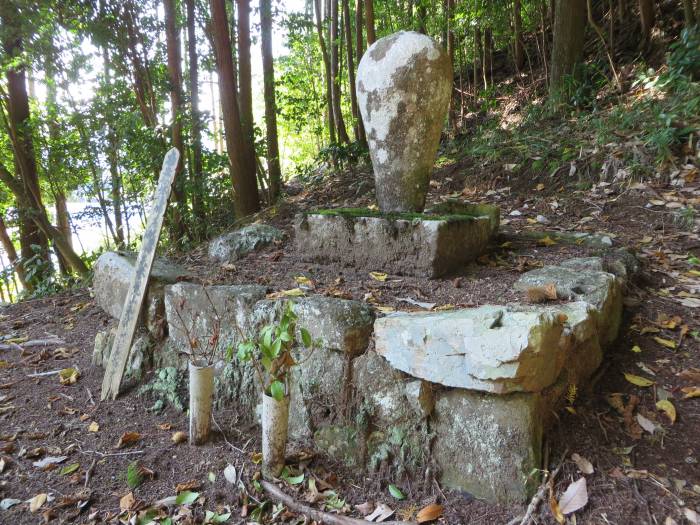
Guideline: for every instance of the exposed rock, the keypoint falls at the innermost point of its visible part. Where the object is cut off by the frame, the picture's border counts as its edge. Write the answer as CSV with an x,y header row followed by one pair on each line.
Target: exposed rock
x,y
202,308
460,207
422,246
113,273
488,445
339,324
579,282
339,442
140,354
403,90
495,349
233,245
168,388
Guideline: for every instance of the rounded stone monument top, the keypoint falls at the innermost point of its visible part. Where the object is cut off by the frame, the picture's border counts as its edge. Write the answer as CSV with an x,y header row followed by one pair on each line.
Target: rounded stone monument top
x,y
403,87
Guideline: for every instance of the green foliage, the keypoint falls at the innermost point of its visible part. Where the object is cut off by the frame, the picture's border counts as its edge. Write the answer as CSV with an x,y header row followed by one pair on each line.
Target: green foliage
x,y
270,351
685,54
134,478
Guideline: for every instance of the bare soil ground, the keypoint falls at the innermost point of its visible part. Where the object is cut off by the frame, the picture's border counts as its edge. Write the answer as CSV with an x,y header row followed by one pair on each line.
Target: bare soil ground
x,y
639,477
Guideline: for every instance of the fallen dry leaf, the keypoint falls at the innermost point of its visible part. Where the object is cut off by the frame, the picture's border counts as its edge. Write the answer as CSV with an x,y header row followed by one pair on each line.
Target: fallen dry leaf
x,y
165,426
128,438
690,392
575,497
667,408
378,276
585,466
668,343
646,424
68,376
540,294
94,426
429,513
381,513
127,502
179,437
192,484
638,380
37,501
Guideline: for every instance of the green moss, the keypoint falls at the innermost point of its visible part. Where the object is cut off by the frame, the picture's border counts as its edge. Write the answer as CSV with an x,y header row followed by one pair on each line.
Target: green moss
x,y
352,213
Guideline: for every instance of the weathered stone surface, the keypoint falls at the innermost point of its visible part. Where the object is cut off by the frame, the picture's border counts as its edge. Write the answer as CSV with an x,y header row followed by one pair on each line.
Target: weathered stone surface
x,y
460,207
581,281
488,445
340,324
200,308
403,89
423,247
497,349
113,273
233,245
167,388
140,354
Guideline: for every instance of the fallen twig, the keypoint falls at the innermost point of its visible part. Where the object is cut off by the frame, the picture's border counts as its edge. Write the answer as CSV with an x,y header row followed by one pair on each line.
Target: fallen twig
x,y
109,454
537,498
44,374
224,436
317,515
89,471
33,343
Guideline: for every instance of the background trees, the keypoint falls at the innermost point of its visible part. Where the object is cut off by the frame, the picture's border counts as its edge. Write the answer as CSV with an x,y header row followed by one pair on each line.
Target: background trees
x,y
92,95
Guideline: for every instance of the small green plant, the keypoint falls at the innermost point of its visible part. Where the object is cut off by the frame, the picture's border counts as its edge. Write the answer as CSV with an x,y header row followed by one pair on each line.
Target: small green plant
x,y
270,352
134,477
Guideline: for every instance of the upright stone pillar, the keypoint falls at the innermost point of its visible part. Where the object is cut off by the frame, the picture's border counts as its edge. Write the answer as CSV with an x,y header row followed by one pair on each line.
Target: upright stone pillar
x,y
403,87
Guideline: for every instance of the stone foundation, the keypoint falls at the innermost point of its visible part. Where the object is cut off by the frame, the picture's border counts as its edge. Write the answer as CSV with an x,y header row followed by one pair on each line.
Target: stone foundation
x,y
404,244
465,395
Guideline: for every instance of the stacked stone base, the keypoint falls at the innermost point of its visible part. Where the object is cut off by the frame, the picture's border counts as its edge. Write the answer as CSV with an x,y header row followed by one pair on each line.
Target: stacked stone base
x,y
422,245
465,396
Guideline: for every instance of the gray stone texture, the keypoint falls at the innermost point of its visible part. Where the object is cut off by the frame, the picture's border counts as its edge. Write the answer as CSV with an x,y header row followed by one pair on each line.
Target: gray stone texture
x,y
140,353
460,207
422,247
113,273
233,245
403,88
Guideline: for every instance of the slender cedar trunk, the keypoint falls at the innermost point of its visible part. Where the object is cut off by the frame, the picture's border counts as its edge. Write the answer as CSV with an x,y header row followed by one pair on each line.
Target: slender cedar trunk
x,y
477,58
247,200
569,37
273,156
196,170
359,132
113,161
422,18
31,235
647,16
518,51
451,53
327,70
143,86
335,74
359,40
487,58
63,225
172,37
11,252
245,87
369,22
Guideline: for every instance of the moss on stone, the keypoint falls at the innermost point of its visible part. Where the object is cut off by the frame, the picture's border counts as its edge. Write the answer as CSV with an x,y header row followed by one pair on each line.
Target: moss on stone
x,y
353,213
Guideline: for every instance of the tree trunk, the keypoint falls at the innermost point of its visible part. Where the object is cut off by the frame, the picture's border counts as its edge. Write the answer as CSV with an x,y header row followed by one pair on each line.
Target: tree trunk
x,y
245,86
487,59
518,51
369,21
172,37
359,130
422,17
63,225
327,70
451,53
113,160
478,52
335,74
11,252
569,37
247,200
196,170
689,13
273,156
647,16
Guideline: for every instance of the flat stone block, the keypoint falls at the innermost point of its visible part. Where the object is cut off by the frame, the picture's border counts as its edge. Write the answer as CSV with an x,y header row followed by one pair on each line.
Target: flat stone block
x,y
498,349
233,245
198,307
113,273
404,244
489,445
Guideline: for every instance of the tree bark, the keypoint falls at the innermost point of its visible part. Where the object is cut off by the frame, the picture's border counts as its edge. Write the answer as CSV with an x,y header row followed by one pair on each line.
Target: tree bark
x,y
11,252
689,13
369,21
647,16
172,37
478,52
359,129
335,74
569,37
518,51
422,17
245,85
327,70
246,198
487,59
196,170
359,41
273,156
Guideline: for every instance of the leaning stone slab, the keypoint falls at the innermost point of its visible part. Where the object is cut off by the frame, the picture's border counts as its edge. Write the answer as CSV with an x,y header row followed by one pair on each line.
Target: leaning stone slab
x,y
113,273
497,349
403,90
427,246
233,245
341,325
197,309
580,280
140,353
